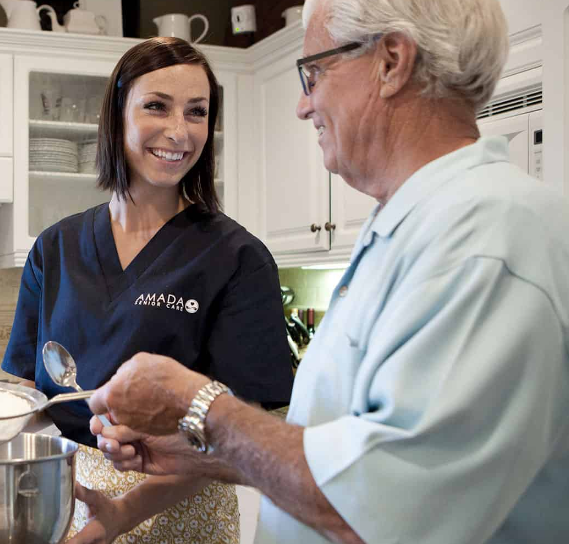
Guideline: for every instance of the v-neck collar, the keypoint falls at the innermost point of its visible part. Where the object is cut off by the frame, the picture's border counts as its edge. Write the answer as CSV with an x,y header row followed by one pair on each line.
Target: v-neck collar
x,y
117,279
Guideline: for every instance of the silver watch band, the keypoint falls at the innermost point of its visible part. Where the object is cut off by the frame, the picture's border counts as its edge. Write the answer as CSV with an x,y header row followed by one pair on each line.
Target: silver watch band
x,y
193,423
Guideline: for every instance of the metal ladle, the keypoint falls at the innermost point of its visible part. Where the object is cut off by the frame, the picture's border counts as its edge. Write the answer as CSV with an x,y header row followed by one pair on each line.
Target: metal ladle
x,y
62,369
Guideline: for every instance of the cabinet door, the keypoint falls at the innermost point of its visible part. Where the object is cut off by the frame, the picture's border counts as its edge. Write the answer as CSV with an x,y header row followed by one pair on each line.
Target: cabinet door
x,y
6,180
349,210
515,129
6,105
56,110
293,179
226,144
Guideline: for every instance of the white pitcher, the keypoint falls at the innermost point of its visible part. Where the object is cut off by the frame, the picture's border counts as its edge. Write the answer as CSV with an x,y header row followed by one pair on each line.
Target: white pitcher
x,y
77,20
179,25
291,15
22,14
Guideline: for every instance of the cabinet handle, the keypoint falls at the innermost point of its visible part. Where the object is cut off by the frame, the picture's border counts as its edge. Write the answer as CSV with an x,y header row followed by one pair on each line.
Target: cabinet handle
x,y
329,226
315,228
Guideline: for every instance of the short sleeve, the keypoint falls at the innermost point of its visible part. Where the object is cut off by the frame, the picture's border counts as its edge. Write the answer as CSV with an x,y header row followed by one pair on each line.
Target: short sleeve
x,y
247,346
464,383
20,356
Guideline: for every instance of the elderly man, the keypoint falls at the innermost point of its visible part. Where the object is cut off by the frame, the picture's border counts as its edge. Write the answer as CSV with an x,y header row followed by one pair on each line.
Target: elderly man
x,y
432,404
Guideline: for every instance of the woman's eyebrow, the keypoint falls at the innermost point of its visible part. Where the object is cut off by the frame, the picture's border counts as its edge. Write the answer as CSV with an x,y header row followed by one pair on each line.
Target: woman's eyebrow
x,y
168,97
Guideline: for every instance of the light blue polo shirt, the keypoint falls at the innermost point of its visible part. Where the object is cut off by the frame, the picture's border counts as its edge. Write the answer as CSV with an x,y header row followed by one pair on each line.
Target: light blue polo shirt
x,y
435,394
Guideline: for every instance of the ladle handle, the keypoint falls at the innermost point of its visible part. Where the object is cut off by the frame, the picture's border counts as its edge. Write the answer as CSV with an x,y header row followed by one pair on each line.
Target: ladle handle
x,y
104,420
79,395
66,397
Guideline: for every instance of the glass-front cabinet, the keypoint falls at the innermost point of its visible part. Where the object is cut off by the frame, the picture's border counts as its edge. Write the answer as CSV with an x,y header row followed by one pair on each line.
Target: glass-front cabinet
x,y
56,106
62,144
6,129
49,109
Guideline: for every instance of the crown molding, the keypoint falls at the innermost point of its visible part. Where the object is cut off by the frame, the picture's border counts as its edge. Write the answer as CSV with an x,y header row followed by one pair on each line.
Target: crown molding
x,y
15,40
280,44
532,33
234,59
526,51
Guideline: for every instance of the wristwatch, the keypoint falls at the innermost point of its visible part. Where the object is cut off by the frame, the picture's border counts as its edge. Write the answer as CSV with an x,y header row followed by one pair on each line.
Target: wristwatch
x,y
193,423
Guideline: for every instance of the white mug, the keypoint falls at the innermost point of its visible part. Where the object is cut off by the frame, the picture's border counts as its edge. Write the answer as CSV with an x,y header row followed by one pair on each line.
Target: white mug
x,y
292,15
179,25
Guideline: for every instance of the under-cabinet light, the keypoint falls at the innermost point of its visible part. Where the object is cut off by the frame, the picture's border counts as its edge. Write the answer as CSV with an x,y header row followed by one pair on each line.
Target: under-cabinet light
x,y
326,266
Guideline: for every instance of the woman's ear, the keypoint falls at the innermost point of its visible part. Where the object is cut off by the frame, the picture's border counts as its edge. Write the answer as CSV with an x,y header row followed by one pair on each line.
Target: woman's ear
x,y
396,55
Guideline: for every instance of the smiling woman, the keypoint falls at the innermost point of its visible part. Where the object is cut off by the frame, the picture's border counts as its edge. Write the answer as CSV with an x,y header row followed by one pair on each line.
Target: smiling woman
x,y
147,70
158,269
165,132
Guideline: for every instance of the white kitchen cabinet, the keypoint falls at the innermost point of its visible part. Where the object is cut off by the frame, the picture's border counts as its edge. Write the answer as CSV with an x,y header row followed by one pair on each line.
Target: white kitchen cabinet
x,y
45,80
46,189
269,169
6,128
349,210
308,215
6,97
6,180
295,183
295,197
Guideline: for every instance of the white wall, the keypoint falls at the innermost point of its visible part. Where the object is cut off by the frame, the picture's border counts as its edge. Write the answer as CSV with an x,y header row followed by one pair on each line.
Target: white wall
x,y
522,14
555,90
551,18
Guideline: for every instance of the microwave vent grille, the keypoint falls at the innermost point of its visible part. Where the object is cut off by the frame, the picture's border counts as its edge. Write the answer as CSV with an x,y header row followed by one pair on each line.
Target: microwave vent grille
x,y
517,102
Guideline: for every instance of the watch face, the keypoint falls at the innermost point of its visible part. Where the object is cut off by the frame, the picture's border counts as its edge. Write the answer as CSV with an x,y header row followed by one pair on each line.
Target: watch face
x,y
195,442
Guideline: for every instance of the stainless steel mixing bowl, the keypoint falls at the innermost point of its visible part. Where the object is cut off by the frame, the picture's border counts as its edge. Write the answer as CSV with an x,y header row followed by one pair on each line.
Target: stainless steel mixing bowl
x,y
37,497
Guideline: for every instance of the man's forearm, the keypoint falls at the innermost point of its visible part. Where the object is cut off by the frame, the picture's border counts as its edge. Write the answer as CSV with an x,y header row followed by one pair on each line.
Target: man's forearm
x,y
257,449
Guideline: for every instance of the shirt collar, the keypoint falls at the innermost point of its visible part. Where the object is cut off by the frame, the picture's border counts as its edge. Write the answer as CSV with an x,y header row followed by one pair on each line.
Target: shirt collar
x,y
433,175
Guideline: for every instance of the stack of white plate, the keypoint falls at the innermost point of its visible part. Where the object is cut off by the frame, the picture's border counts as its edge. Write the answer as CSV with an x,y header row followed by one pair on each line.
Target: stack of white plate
x,y
87,154
53,155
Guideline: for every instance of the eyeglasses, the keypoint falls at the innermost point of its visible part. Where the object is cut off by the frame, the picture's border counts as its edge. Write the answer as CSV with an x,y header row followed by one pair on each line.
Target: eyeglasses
x,y
307,77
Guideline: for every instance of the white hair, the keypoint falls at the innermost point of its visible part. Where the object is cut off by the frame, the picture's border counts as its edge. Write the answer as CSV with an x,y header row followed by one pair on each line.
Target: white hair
x,y
462,44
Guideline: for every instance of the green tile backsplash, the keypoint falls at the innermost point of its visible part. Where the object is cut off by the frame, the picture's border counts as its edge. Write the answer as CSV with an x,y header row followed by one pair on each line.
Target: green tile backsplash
x,y
312,288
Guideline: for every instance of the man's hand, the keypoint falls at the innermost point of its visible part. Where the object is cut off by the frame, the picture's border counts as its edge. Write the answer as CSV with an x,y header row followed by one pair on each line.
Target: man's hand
x,y
149,393
133,450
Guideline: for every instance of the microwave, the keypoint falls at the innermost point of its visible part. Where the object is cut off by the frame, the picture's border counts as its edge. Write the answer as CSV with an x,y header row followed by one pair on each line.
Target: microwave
x,y
524,130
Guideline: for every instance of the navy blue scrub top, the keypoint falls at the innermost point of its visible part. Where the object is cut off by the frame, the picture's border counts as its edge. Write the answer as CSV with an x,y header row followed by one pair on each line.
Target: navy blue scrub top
x,y
203,291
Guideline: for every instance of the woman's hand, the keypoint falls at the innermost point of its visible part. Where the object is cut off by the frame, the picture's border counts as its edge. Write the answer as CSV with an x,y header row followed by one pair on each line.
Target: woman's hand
x,y
104,523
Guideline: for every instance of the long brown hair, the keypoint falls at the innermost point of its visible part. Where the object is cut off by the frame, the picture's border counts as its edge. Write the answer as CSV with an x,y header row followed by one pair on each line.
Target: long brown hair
x,y
154,54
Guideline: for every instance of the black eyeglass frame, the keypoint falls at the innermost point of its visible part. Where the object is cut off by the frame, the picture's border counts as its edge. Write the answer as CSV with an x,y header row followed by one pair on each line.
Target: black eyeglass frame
x,y
336,51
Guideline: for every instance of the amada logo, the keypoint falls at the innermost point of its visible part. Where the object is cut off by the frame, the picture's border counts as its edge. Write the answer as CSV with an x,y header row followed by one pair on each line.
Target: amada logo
x,y
172,302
